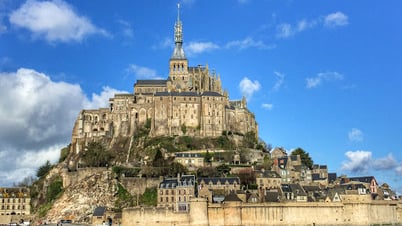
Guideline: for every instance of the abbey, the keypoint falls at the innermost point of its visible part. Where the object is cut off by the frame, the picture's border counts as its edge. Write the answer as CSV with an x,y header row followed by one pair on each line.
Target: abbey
x,y
190,101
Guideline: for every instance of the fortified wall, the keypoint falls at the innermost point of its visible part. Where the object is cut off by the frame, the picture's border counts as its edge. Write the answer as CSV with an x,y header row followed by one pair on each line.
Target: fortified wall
x,y
237,213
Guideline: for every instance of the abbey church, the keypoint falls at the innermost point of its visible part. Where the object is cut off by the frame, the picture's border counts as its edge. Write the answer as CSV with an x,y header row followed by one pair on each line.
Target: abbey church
x,y
190,102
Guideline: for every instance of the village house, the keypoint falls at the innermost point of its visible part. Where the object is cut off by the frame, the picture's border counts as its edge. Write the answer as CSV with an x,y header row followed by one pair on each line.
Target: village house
x,y
15,201
216,188
189,160
176,192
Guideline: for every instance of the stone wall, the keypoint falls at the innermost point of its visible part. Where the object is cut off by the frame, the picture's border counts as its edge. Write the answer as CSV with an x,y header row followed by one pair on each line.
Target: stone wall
x,y
237,213
136,185
73,177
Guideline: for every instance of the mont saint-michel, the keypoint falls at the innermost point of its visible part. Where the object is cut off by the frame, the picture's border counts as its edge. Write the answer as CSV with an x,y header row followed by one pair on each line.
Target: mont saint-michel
x,y
178,149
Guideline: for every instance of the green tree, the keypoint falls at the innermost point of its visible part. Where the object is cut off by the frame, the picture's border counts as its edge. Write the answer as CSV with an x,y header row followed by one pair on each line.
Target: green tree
x,y
183,128
44,169
304,156
54,189
208,157
250,140
150,197
207,171
223,170
174,168
64,153
96,155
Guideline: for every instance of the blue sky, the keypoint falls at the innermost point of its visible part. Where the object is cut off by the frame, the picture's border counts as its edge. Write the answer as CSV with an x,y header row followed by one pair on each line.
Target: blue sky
x,y
321,75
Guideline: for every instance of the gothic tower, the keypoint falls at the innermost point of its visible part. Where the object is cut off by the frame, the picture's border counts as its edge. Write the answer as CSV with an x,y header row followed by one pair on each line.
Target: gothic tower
x,y
178,64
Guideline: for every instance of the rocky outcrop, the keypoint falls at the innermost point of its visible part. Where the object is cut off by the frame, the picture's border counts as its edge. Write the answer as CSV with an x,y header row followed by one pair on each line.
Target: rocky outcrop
x,y
79,200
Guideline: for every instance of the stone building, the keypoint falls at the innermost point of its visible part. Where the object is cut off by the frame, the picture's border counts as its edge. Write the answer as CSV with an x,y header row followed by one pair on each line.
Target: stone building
x,y
190,101
190,160
176,192
15,201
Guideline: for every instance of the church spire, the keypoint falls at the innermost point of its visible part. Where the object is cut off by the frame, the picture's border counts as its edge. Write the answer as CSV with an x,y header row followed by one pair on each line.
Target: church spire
x,y
178,52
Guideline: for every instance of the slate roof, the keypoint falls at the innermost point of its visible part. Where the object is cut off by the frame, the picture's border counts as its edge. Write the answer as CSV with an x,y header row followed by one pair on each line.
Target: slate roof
x,y
297,189
366,179
99,211
332,177
293,188
151,82
232,197
185,180
189,94
269,174
272,196
311,188
188,155
222,180
316,166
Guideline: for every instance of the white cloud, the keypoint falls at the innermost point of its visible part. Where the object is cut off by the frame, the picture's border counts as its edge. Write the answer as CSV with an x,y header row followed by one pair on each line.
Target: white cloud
x,y
358,161
142,72
248,87
385,163
37,117
54,21
126,28
355,135
362,162
280,78
200,47
248,43
101,100
398,170
286,30
322,77
267,106
336,19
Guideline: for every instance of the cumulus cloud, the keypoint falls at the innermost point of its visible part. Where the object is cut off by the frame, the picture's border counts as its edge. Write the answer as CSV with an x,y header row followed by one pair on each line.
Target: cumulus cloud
x,y
248,43
286,30
336,19
322,77
200,47
54,21
101,100
358,161
141,72
267,106
385,163
355,135
37,117
362,162
248,87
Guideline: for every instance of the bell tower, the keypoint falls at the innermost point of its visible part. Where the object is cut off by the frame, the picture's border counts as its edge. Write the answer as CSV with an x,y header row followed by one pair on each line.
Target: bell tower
x,y
178,64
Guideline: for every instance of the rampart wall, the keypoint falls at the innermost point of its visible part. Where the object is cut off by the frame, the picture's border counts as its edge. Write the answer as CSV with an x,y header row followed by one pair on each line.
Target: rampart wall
x,y
136,185
236,213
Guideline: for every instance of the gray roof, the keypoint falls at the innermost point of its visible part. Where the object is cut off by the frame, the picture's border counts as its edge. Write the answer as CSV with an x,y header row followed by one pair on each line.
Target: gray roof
x,y
99,211
185,180
232,197
190,94
222,180
272,196
188,155
151,82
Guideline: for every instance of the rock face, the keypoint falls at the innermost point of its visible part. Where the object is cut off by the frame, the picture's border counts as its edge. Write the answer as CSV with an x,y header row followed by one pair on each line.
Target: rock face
x,y
79,200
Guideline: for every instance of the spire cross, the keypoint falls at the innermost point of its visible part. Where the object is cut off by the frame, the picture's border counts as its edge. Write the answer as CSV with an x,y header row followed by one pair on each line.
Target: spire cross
x,y
178,11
